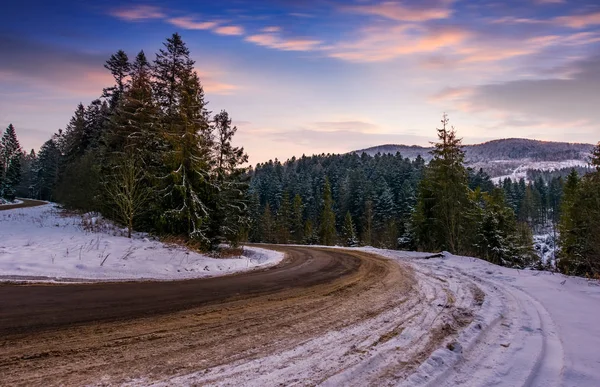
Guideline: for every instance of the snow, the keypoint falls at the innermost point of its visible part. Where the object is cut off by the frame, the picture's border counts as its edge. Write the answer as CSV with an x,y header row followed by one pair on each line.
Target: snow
x,y
4,202
533,328
521,170
556,339
41,243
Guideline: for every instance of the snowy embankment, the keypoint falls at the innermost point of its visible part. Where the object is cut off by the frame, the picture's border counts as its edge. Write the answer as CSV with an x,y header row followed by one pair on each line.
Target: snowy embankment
x,y
534,328
42,243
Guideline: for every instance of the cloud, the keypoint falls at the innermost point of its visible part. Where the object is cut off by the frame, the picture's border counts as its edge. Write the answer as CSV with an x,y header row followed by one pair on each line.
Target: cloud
x,y
275,41
398,11
556,102
190,24
381,43
271,29
229,30
579,21
33,63
138,13
349,126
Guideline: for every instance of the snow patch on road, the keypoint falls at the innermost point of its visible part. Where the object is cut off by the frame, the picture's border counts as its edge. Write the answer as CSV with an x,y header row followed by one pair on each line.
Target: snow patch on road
x,y
41,243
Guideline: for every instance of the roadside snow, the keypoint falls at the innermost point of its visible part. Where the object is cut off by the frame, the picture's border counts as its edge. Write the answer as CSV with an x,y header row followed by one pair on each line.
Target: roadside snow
x,y
4,202
41,242
538,328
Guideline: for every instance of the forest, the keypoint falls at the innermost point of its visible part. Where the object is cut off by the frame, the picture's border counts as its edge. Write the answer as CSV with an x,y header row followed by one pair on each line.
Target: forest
x,y
149,155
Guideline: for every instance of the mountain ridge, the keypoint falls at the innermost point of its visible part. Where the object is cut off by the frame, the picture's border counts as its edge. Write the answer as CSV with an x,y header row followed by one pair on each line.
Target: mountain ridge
x,y
504,157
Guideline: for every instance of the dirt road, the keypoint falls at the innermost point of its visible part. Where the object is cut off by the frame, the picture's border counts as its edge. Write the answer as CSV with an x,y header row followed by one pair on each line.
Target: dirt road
x,y
26,203
318,312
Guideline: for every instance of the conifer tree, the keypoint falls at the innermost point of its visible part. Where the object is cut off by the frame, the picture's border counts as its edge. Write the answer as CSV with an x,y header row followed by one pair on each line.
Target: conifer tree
x,y
349,231
327,231
185,124
229,207
47,170
439,219
283,219
297,224
119,66
10,161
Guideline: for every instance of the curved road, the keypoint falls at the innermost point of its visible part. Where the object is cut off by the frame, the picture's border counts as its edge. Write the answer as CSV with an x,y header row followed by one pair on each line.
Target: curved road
x,y
119,332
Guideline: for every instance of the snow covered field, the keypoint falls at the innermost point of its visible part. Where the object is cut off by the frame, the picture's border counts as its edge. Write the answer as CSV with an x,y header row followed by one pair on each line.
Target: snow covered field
x,y
41,242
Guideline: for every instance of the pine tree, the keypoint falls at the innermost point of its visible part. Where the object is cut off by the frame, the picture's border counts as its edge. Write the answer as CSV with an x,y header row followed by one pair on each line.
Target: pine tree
x,y
283,219
297,220
10,161
327,231
367,233
267,226
119,66
228,207
187,187
47,170
439,218
349,231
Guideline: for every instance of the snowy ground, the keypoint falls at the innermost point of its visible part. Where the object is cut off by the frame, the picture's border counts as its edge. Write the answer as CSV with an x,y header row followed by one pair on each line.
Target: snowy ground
x,y
520,171
531,328
41,242
537,328
4,202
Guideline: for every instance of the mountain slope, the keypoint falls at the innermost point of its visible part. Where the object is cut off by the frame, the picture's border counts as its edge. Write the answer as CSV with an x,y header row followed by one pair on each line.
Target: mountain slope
x,y
506,157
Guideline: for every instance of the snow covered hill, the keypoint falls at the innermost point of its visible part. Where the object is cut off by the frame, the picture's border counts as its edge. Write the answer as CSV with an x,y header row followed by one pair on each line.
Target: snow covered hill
x,y
511,157
44,242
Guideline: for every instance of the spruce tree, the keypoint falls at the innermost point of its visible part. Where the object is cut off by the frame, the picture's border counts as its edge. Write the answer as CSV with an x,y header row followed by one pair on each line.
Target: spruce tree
x,y
327,231
47,170
349,231
297,220
228,204
185,124
10,161
119,66
439,218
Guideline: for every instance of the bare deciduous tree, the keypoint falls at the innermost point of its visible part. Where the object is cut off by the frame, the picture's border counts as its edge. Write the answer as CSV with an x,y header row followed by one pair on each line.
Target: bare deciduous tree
x,y
127,192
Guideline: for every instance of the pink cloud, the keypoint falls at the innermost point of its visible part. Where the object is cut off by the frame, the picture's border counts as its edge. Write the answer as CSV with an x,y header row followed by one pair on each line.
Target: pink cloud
x,y
190,24
579,21
271,29
229,30
279,43
381,44
138,13
397,11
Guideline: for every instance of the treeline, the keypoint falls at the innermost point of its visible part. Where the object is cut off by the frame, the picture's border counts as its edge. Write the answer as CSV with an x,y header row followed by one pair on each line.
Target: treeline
x,y
147,153
388,201
327,199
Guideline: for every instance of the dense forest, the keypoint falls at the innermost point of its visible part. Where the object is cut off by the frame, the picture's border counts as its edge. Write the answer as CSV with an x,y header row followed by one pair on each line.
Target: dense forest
x,y
148,154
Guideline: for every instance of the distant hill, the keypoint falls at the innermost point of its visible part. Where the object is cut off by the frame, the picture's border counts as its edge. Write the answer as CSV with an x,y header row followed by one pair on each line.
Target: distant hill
x,y
507,157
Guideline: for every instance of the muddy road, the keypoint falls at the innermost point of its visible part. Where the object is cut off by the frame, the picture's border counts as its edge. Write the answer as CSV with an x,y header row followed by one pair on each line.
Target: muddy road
x,y
26,203
119,332
322,316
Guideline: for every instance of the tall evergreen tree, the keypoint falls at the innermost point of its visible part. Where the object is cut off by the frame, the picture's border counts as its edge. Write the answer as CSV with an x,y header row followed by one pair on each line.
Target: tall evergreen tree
x,y
119,66
439,220
187,186
327,232
349,231
10,161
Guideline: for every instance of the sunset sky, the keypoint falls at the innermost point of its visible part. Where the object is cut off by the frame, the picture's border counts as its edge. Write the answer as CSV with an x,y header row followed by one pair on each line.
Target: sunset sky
x,y
301,76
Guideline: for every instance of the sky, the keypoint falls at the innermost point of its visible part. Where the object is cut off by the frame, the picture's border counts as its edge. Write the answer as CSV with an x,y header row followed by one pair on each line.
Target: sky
x,y
322,76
